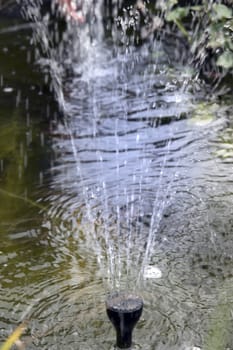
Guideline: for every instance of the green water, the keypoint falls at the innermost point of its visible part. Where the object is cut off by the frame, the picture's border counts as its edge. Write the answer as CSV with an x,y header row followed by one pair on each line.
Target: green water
x,y
25,155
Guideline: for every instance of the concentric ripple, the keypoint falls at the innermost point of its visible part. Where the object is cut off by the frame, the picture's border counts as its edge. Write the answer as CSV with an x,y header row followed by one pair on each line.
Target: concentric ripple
x,y
138,197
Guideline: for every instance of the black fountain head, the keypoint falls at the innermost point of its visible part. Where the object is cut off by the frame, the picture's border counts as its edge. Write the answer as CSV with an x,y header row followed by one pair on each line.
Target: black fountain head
x,y
124,311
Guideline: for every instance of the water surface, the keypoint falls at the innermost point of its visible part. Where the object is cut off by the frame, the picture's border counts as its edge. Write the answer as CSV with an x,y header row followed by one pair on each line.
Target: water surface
x,y
131,188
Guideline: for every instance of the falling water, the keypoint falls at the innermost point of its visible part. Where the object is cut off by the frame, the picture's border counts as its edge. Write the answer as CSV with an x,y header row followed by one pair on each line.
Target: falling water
x,y
117,195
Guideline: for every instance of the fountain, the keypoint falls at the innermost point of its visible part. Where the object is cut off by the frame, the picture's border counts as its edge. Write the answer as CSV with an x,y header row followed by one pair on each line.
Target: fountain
x,y
123,309
113,190
123,150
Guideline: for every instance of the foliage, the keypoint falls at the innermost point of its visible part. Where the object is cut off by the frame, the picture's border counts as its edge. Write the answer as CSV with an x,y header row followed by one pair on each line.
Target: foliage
x,y
210,34
204,113
205,26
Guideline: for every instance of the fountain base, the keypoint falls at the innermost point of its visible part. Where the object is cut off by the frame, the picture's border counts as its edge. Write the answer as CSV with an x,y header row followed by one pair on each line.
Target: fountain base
x,y
124,311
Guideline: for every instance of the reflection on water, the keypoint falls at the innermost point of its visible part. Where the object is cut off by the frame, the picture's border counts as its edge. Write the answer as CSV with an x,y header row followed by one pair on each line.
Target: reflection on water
x,y
128,190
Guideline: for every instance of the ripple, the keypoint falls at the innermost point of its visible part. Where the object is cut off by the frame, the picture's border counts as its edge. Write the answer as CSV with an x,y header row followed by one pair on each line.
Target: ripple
x,y
134,188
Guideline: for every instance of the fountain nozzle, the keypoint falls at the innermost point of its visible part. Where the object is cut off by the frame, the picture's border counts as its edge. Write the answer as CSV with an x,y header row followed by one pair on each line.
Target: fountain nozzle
x,y
124,311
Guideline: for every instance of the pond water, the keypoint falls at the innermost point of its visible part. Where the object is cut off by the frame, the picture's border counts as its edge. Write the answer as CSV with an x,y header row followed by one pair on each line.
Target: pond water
x,y
130,188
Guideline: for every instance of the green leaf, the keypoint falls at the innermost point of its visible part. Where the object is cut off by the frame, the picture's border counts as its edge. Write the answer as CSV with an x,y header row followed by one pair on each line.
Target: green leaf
x,y
219,36
214,28
229,25
165,5
172,3
197,8
221,12
182,29
217,41
204,114
225,60
177,14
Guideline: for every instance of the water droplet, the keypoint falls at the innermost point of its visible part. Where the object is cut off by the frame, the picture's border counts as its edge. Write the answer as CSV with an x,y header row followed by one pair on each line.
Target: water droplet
x,y
25,160
152,272
42,139
20,172
8,89
29,56
26,103
18,98
41,178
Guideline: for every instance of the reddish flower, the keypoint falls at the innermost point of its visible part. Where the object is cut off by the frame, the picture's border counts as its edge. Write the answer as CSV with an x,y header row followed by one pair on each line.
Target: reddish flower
x,y
70,10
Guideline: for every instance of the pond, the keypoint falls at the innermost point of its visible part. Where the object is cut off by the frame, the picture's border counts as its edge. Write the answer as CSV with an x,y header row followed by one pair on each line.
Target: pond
x,y
129,187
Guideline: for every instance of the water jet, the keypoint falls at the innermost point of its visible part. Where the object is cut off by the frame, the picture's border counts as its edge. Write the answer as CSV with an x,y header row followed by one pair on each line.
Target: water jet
x,y
124,311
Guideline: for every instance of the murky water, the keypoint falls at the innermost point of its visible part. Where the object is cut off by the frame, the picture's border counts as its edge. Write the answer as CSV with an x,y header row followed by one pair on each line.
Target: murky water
x,y
131,188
